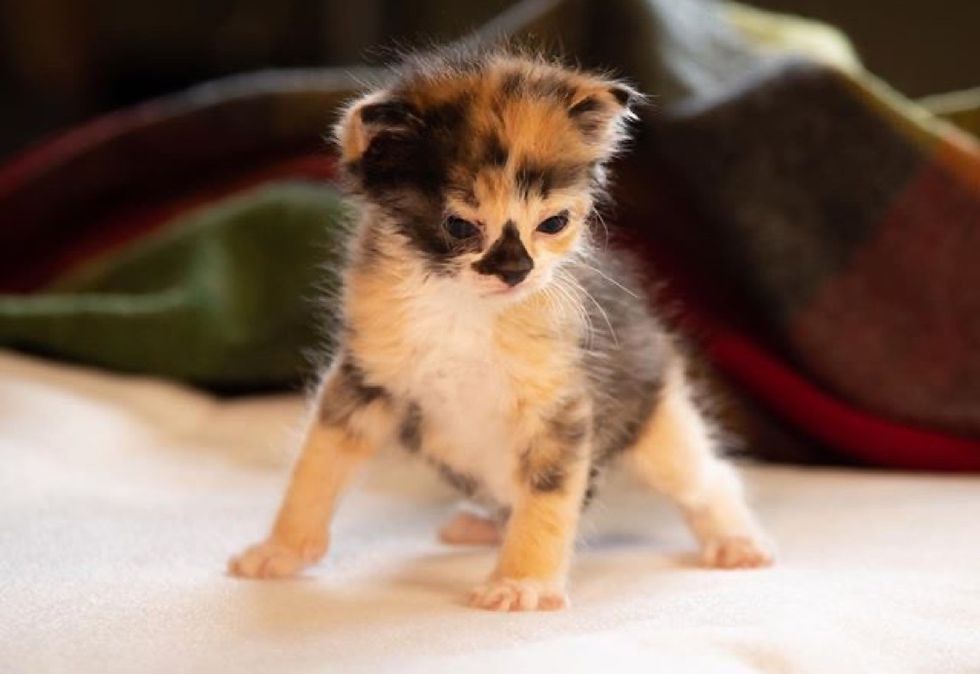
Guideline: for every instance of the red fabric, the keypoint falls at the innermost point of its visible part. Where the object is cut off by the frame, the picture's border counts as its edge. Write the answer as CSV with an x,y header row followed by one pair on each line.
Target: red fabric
x,y
871,439
120,172
130,220
133,221
722,324
904,309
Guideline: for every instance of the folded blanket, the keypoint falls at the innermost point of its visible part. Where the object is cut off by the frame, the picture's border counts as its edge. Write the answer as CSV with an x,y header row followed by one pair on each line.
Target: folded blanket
x,y
817,229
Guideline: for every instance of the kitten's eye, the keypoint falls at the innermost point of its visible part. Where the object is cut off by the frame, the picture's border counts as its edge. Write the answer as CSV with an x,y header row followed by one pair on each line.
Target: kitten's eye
x,y
554,224
459,228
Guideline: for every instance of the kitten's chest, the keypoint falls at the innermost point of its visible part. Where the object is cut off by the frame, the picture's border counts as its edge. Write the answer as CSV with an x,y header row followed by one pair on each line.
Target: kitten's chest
x,y
448,364
453,371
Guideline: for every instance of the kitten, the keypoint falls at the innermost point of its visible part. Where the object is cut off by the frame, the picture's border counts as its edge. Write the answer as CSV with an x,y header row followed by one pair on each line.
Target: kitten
x,y
484,331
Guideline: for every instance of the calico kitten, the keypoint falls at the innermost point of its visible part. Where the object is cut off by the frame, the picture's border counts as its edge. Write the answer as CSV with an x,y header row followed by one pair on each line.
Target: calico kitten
x,y
484,330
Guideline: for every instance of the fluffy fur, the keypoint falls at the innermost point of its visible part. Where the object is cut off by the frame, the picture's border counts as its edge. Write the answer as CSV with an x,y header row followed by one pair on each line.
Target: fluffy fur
x,y
484,331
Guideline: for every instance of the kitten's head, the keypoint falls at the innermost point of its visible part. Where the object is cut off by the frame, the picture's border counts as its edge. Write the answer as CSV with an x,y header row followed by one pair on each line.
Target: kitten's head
x,y
485,167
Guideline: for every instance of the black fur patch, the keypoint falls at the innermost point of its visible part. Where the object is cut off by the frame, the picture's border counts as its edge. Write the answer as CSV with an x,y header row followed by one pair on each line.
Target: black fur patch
x,y
494,151
550,479
396,159
467,485
627,358
394,113
634,416
587,115
512,84
568,431
353,376
444,122
405,170
622,94
550,475
507,254
424,230
410,432
593,486
532,177
585,106
541,178
346,393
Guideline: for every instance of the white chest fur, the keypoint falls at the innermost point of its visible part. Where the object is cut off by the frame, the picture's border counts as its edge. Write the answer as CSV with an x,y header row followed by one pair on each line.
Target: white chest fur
x,y
449,366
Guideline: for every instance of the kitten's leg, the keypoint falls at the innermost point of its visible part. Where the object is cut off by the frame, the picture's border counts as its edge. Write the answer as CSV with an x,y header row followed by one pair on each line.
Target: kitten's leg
x,y
352,419
532,566
675,454
467,528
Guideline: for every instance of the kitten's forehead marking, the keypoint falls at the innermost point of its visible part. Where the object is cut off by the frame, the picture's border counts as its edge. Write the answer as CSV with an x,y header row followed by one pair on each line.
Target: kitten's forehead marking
x,y
519,120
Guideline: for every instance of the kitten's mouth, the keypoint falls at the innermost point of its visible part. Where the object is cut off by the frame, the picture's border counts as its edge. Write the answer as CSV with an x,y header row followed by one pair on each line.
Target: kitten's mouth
x,y
496,288
506,290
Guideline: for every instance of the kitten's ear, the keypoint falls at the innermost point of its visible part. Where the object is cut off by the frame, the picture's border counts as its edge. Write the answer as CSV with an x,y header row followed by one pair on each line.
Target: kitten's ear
x,y
602,110
370,117
625,95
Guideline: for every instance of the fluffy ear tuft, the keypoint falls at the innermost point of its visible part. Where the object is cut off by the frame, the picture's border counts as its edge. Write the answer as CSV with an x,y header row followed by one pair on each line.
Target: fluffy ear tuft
x,y
601,111
371,116
624,94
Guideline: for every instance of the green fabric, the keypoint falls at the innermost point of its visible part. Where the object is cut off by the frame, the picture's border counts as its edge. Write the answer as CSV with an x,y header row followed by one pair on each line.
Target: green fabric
x,y
230,285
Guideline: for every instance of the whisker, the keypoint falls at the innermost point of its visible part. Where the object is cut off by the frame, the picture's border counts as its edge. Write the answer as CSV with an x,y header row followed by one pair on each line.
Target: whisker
x,y
608,278
605,228
602,311
568,285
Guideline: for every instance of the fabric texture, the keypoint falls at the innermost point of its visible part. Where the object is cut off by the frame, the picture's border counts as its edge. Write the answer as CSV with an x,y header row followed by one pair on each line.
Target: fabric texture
x,y
121,499
227,297
818,230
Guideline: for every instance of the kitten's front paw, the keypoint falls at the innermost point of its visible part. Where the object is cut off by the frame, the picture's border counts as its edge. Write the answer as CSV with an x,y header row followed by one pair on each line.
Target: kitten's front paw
x,y
272,559
738,552
526,594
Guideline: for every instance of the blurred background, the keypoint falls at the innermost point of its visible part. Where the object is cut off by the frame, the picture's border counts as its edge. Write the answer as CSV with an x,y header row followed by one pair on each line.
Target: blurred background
x,y
62,61
819,230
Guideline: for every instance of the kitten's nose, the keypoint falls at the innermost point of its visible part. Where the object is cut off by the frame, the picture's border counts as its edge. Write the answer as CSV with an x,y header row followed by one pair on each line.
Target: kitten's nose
x,y
507,258
513,276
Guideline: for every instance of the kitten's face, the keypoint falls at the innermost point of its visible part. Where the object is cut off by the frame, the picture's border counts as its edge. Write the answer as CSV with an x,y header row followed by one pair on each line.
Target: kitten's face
x,y
486,168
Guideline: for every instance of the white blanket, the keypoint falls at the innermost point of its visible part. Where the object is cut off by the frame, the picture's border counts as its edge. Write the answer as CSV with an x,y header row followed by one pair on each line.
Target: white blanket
x,y
120,500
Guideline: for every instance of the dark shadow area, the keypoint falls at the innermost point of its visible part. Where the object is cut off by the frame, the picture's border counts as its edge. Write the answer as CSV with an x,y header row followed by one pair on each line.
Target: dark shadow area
x,y
63,61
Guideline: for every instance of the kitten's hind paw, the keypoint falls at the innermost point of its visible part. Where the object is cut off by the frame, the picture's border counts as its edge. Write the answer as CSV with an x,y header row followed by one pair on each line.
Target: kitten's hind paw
x,y
469,529
271,559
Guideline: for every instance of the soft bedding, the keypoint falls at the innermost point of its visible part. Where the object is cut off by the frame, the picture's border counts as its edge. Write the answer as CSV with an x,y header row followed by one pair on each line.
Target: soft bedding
x,y
120,499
